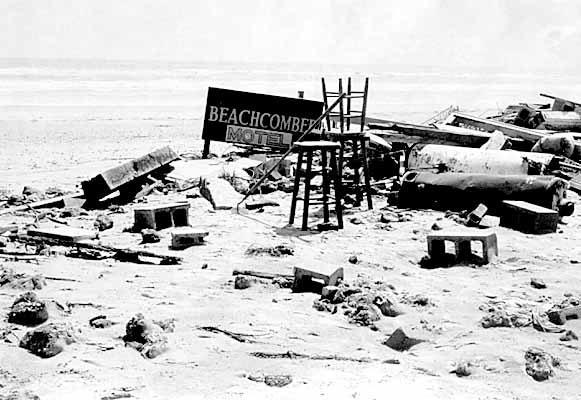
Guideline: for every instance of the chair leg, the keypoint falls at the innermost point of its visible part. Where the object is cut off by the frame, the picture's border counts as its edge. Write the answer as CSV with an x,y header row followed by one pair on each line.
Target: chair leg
x,y
324,172
307,190
338,190
366,172
356,175
296,188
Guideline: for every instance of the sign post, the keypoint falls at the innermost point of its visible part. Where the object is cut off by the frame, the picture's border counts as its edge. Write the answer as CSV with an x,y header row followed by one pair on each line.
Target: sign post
x,y
256,119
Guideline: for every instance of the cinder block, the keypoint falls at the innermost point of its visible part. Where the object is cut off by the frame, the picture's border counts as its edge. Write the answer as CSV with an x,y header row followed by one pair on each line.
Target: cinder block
x,y
313,281
560,316
161,216
462,242
476,216
183,238
528,218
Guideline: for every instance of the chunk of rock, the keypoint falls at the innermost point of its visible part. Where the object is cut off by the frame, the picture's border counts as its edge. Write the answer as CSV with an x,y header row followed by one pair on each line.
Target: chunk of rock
x,y
28,310
242,282
463,368
271,380
274,251
329,292
149,236
539,364
145,336
103,222
538,283
48,340
387,306
399,341
353,259
168,324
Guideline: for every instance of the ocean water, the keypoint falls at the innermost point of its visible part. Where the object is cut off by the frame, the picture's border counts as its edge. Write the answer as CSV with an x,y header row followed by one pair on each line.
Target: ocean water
x,y
73,90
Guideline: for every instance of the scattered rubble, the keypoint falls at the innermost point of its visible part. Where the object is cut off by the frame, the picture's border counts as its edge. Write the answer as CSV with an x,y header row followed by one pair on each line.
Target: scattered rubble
x,y
48,340
538,283
103,222
28,310
539,364
271,380
145,336
274,251
22,281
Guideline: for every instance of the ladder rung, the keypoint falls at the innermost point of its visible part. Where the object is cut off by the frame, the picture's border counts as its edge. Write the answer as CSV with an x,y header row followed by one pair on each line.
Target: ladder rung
x,y
356,96
332,94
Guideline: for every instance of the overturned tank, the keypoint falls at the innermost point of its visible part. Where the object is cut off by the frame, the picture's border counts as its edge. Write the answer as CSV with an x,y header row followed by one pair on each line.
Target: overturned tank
x,y
464,190
441,158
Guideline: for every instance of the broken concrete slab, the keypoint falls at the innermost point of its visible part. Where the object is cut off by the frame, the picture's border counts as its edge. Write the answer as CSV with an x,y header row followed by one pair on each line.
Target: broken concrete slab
x,y
476,215
63,233
113,179
307,280
219,193
528,218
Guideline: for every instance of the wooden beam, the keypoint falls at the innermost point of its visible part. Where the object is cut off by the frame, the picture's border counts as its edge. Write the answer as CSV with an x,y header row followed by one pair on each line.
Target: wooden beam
x,y
111,180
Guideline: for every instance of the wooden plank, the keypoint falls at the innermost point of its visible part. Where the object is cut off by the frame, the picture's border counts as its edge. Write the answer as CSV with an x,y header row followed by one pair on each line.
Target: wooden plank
x,y
64,233
489,126
114,178
59,202
427,134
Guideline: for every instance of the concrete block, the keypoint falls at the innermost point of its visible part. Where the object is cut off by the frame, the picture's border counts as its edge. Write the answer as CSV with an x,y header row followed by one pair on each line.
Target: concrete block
x,y
528,218
560,316
161,216
313,281
185,237
476,216
462,241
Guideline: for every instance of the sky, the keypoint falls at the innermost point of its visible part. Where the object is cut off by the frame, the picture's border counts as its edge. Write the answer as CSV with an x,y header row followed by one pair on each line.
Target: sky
x,y
515,34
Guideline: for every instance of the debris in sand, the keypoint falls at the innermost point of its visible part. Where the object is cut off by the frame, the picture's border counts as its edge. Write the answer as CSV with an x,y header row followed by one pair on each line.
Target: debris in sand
x,y
28,310
88,254
240,337
463,368
353,259
128,255
539,364
541,323
243,282
271,380
182,238
63,233
399,341
569,308
129,177
261,204
145,336
538,283
568,336
292,355
149,236
274,251
48,340
101,322
308,280
22,281
168,325
103,222
497,318
528,218
161,216
475,216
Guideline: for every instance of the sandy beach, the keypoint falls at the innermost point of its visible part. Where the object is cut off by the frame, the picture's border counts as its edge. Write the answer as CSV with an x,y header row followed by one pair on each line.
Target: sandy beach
x,y
46,149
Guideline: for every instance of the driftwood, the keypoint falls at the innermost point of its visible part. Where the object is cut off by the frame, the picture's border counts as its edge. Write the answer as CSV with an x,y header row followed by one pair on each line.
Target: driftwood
x,y
53,202
259,274
240,337
119,253
292,355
